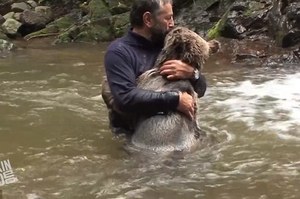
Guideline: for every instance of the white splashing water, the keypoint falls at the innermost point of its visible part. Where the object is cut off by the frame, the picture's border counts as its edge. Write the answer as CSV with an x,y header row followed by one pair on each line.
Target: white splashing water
x,y
273,105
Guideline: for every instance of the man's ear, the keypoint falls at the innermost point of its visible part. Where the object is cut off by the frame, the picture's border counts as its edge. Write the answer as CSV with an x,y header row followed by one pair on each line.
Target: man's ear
x,y
214,46
148,20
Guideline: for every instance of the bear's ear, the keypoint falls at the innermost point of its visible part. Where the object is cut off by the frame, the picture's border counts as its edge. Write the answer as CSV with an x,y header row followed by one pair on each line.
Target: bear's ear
x,y
214,46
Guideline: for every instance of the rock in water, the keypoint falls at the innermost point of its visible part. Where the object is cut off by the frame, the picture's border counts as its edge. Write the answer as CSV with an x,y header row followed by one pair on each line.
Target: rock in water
x,y
5,46
32,3
11,26
9,15
19,7
34,18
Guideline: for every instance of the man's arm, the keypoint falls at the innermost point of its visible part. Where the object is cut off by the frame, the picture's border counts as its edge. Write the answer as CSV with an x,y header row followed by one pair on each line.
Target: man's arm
x,y
127,96
176,69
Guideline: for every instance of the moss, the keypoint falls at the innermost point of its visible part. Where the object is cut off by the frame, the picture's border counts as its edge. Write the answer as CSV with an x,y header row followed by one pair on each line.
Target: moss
x,y
94,32
68,36
117,7
47,30
98,9
63,22
63,38
55,27
113,3
60,2
88,32
215,31
120,24
98,25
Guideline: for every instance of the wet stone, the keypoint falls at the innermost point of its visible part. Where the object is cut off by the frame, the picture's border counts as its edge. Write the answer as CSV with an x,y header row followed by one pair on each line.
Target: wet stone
x,y
17,16
291,38
2,19
32,3
19,7
11,26
34,18
9,15
5,46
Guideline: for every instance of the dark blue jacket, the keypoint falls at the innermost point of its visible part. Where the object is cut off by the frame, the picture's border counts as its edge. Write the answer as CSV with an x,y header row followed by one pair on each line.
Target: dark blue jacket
x,y
125,60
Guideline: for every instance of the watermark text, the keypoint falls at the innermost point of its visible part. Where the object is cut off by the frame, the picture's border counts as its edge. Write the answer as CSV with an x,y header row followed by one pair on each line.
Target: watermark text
x,y
6,174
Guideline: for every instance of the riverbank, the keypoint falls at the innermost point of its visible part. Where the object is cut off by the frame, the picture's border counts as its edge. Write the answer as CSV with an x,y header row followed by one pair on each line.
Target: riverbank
x,y
265,33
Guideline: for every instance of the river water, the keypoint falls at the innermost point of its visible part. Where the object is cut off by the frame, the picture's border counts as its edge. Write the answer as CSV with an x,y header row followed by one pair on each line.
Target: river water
x,y
54,130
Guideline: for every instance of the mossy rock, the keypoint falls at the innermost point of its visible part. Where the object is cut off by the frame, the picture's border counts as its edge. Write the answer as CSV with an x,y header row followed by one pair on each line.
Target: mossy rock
x,y
63,38
95,33
98,9
2,34
11,26
100,30
117,7
5,45
99,26
64,22
56,27
69,36
60,2
253,7
241,19
216,30
120,24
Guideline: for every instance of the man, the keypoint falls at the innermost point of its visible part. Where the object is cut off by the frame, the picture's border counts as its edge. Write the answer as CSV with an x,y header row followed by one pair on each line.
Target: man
x,y
130,56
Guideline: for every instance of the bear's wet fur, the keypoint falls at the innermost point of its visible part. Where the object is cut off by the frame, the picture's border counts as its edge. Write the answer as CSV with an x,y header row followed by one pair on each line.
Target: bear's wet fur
x,y
173,131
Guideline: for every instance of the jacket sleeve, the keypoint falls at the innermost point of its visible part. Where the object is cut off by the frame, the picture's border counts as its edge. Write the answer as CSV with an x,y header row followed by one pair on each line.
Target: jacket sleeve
x,y
128,98
200,85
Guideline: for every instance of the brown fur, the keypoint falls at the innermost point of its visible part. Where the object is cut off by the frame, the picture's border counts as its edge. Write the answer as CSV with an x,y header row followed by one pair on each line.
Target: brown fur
x,y
173,131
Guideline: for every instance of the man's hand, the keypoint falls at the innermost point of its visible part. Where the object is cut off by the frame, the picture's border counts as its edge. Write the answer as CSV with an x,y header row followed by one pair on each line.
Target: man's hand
x,y
176,69
186,105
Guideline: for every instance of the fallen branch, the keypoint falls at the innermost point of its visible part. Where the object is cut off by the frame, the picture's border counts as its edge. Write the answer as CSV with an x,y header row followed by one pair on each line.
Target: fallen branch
x,y
41,35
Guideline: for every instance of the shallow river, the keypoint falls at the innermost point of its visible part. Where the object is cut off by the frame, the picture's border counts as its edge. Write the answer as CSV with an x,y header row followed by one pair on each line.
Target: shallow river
x,y
54,131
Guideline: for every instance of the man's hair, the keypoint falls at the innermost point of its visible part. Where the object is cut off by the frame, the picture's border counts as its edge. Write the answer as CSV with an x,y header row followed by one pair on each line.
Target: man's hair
x,y
139,7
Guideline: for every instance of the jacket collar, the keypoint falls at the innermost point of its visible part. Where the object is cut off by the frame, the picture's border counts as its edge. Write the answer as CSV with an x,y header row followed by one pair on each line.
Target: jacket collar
x,y
138,40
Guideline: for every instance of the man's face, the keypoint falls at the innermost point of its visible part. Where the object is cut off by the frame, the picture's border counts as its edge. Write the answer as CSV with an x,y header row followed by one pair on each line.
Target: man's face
x,y
163,23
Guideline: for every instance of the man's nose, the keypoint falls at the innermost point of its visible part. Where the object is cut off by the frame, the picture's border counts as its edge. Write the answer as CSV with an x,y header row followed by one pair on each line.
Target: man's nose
x,y
171,24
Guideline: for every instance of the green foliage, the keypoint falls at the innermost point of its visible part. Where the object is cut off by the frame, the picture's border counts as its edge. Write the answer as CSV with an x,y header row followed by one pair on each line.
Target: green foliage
x,y
215,31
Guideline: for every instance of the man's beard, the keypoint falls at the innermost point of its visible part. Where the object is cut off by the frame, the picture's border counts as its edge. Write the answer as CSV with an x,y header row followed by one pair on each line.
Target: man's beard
x,y
158,36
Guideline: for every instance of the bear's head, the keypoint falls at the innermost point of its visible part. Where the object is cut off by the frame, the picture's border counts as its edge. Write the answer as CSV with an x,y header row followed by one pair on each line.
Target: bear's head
x,y
187,46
